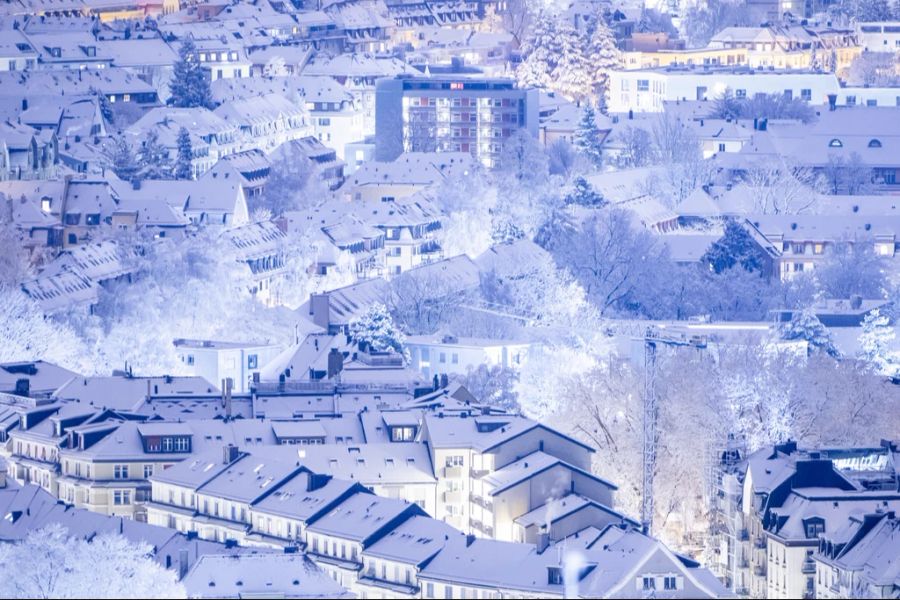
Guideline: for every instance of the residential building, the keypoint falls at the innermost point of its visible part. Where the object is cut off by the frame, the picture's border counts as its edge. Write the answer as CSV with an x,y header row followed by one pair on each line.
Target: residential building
x,y
446,114
879,36
437,354
218,360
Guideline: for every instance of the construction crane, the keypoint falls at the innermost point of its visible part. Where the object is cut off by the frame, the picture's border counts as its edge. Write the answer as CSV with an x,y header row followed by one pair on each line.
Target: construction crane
x,y
652,338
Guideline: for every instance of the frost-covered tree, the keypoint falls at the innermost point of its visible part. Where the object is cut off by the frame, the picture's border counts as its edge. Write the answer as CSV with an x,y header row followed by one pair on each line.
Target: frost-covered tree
x,y
492,385
30,335
375,330
153,158
587,138
573,75
291,184
874,69
50,564
636,147
805,326
874,10
184,168
189,87
702,21
121,159
876,345
522,161
604,56
778,186
735,248
852,268
584,194
541,50
562,157
847,175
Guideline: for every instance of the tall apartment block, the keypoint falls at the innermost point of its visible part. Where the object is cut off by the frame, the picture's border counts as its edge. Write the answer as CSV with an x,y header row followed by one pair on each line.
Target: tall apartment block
x,y
446,114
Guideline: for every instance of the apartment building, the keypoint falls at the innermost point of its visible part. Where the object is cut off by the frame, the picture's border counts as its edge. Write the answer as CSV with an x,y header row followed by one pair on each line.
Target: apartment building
x,y
881,36
780,504
446,114
646,90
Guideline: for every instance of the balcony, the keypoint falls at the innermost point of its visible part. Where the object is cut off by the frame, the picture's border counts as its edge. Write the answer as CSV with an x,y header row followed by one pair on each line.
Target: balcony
x,y
759,570
455,497
479,473
760,543
743,535
743,564
482,502
453,472
808,567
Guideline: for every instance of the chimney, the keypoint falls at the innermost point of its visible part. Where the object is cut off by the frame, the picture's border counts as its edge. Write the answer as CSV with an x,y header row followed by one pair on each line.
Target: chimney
x,y
335,363
319,309
227,384
470,539
23,387
24,104
135,184
182,563
229,454
543,540
856,301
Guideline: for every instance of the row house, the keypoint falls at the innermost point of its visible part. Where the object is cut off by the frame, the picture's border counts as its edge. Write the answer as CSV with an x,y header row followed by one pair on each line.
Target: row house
x,y
221,59
27,153
805,241
261,247
68,50
365,23
265,122
854,562
766,523
384,547
212,137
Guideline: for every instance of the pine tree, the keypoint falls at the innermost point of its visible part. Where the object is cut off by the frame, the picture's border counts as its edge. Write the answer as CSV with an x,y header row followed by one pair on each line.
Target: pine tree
x,y
605,56
806,326
572,74
584,194
153,158
190,85
375,330
587,137
735,248
183,167
876,343
122,160
540,53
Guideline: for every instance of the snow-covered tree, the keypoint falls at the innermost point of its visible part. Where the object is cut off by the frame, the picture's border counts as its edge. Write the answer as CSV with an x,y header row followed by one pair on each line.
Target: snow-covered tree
x,y
375,329
492,385
189,87
876,345
852,268
184,168
636,147
873,10
573,75
50,564
805,326
588,138
522,161
541,51
121,160
291,184
29,335
735,248
153,158
604,56
584,194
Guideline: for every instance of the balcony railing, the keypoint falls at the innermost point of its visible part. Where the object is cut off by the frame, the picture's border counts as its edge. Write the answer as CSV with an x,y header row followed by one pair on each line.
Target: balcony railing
x,y
760,543
482,502
759,571
455,497
453,472
808,567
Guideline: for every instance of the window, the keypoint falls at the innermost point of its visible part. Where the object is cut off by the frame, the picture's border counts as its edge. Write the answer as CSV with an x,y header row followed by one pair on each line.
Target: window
x,y
835,143
73,239
443,357
454,461
670,583
721,147
643,85
121,497
554,576
148,471
740,93
874,143
252,361
120,472
806,94
648,583
454,358
851,101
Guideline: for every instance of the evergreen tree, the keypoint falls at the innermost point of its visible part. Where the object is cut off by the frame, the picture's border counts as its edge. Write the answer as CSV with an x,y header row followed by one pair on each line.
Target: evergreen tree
x,y
805,325
375,329
572,74
540,51
605,56
153,159
190,85
584,195
183,167
587,137
122,160
735,248
876,343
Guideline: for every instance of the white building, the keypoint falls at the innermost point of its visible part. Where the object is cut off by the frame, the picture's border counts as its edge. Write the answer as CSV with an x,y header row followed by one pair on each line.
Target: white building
x,y
646,90
883,36
437,354
216,361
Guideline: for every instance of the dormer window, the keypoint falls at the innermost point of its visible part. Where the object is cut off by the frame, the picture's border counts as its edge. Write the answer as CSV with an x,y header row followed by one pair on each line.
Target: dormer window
x,y
874,143
814,527
554,576
835,143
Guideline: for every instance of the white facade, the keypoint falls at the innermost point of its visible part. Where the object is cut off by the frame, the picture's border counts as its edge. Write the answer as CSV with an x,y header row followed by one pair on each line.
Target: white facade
x,y
435,355
215,361
882,36
647,90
